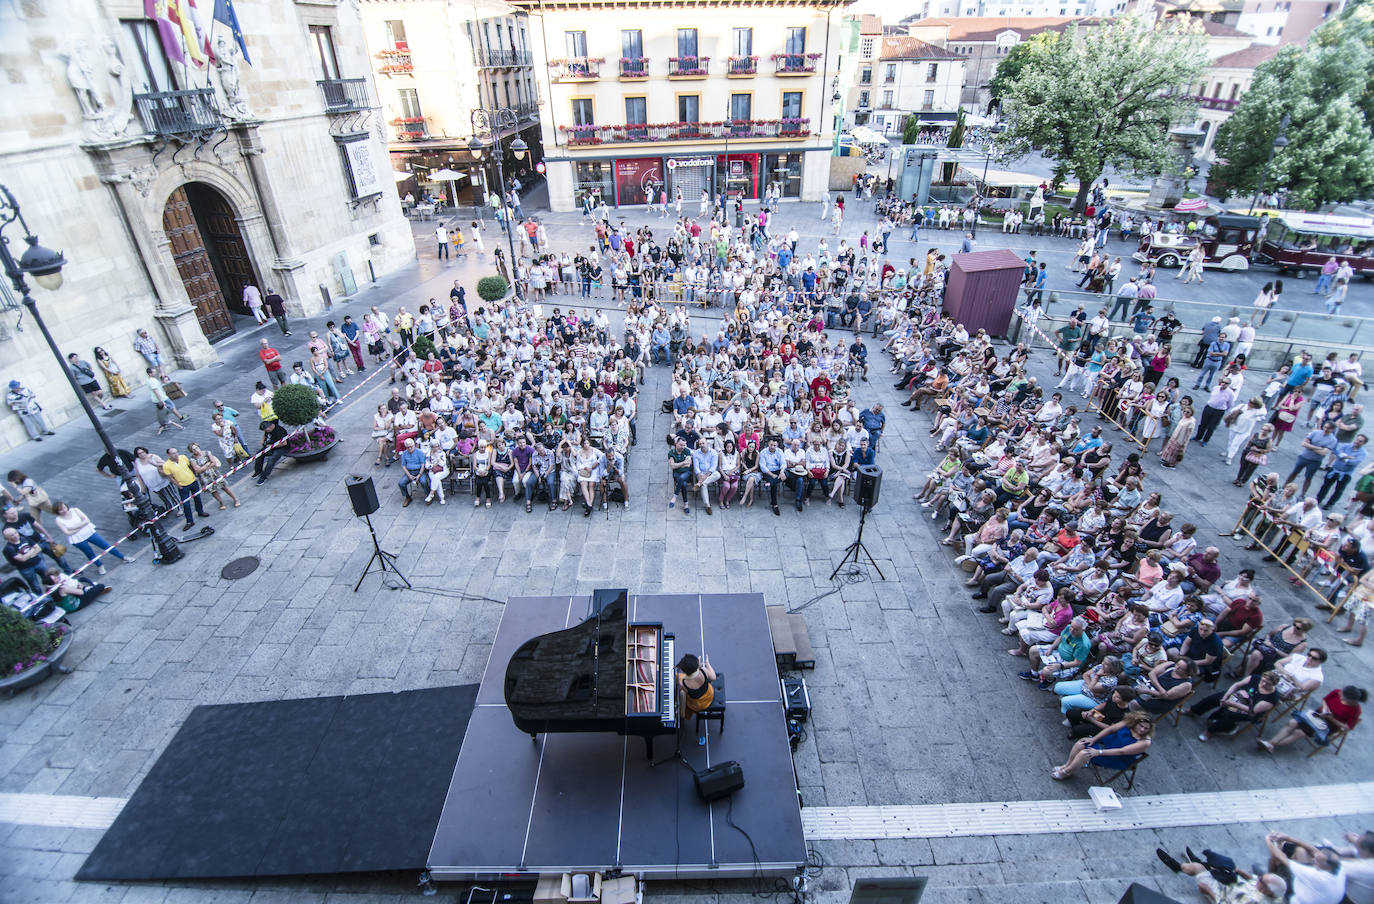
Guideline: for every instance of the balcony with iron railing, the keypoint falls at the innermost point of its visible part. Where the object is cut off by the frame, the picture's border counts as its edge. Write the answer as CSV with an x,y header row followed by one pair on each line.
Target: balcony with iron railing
x,y
526,109
688,67
576,69
503,59
795,63
172,113
395,61
410,128
634,68
344,95
590,135
1216,103
742,66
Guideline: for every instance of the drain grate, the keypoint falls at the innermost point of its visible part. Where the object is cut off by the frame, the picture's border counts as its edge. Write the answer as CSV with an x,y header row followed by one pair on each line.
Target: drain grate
x,y
240,568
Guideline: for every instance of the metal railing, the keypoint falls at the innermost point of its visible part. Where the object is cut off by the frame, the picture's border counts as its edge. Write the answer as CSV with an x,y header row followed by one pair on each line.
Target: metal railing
x,y
742,65
1216,103
795,63
178,112
692,65
495,59
634,67
527,110
580,136
344,95
576,69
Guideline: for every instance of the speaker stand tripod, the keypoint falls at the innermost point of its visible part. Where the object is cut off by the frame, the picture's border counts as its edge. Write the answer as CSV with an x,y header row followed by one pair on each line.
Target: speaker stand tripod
x,y
854,549
384,560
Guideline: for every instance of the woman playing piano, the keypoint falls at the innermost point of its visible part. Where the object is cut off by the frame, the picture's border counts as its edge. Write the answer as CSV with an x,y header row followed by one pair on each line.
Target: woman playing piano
x,y
694,678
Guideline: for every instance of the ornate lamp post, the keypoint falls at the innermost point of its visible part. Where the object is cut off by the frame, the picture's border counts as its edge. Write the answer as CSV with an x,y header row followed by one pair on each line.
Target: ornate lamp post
x,y
45,266
486,126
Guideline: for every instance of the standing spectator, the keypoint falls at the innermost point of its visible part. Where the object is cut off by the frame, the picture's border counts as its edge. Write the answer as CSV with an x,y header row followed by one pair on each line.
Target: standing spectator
x,y
441,241
163,403
85,376
146,346
355,345
277,306
24,403
118,387
1323,286
1315,447
178,468
271,362
1218,403
82,534
1345,459
273,448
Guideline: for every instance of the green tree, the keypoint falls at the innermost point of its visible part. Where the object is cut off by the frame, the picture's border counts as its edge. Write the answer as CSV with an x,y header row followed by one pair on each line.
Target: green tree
x,y
1104,96
295,405
1324,89
1016,60
911,129
956,140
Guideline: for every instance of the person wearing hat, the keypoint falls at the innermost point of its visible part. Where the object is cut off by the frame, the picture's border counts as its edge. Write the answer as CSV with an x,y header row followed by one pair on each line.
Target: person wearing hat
x,y
1213,357
24,402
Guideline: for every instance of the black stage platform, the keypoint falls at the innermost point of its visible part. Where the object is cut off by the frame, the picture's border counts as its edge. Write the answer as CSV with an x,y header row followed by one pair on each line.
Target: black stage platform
x,y
592,801
294,787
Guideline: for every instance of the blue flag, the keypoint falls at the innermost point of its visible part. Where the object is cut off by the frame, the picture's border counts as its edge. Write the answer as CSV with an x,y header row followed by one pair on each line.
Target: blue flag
x,y
224,12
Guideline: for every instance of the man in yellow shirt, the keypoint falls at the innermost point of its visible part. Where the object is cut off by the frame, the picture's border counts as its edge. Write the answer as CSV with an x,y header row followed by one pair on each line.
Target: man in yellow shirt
x,y
178,469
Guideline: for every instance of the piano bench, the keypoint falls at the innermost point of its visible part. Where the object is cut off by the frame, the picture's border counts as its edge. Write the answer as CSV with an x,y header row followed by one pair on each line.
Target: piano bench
x,y
716,711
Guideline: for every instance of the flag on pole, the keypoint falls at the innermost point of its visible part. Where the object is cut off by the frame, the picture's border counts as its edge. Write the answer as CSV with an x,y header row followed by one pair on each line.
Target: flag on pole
x,y
202,30
180,13
224,12
167,29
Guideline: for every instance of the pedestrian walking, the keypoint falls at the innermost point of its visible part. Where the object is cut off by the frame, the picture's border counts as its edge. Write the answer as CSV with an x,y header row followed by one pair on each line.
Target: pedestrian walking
x,y
24,403
253,298
163,403
477,237
441,241
276,305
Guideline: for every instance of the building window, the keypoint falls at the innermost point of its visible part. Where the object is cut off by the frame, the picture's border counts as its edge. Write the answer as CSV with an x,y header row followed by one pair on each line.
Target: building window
x,y
593,177
686,43
689,108
887,99
636,111
932,72
927,100
1235,91
396,34
796,40
155,74
632,44
741,107
866,48
582,111
784,170
863,98
743,42
577,43
324,47
866,75
410,103
890,73
791,105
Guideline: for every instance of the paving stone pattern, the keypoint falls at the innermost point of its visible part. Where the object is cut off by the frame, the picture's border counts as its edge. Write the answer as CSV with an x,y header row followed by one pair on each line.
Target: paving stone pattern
x,y
915,699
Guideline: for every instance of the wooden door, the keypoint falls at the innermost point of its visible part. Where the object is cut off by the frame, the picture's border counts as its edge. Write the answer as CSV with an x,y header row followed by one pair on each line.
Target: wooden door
x,y
193,264
228,253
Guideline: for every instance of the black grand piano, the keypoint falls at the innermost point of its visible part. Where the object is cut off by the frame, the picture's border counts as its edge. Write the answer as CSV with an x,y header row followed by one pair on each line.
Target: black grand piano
x,y
605,674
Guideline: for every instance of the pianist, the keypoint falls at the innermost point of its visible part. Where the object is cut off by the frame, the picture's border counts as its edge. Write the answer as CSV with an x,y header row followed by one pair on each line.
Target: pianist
x,y
694,678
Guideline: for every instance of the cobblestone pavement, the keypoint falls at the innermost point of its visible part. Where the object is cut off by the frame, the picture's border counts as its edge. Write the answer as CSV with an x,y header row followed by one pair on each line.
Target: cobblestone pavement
x,y
915,699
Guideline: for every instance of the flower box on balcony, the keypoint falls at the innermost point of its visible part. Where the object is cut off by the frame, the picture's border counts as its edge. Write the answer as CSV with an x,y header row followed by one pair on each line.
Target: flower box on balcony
x,y
634,68
409,135
394,68
742,66
688,67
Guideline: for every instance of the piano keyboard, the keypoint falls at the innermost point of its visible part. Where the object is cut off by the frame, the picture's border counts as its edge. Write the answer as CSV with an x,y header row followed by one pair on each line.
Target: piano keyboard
x,y
667,684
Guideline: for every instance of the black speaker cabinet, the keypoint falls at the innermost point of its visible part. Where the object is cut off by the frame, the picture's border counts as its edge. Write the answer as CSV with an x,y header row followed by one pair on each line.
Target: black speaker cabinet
x,y
868,485
719,781
362,494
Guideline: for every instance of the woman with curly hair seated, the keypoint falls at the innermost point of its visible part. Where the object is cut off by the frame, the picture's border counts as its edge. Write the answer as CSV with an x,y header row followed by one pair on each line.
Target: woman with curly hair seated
x,y
1117,746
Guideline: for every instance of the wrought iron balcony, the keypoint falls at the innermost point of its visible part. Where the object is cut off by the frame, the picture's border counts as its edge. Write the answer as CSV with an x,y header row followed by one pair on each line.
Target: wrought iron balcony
x,y
634,67
503,59
1216,103
688,67
577,69
795,63
584,136
742,65
178,112
527,110
410,128
344,95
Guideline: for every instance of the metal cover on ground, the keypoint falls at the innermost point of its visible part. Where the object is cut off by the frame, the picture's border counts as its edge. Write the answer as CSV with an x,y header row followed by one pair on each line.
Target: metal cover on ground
x,y
240,568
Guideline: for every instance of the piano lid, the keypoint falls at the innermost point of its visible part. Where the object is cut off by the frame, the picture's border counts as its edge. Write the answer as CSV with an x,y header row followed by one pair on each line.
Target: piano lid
x,y
575,673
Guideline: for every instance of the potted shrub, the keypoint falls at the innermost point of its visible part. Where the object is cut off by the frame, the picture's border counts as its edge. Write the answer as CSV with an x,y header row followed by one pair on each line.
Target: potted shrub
x,y
29,651
297,407
491,288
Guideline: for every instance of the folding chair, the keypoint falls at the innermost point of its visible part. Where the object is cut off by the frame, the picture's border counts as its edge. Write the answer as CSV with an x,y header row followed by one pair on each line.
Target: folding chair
x,y
1128,772
1334,742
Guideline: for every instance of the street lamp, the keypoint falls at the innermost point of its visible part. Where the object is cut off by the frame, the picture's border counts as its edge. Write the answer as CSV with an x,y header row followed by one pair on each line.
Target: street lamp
x,y
1280,142
835,99
486,126
45,266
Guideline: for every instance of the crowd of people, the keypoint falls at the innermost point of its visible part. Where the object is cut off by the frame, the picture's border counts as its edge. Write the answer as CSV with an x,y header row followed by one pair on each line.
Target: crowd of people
x,y
1120,611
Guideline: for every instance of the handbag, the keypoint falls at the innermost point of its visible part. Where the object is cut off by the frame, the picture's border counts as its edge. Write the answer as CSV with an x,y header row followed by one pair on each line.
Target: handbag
x,y
1287,416
1257,458
59,550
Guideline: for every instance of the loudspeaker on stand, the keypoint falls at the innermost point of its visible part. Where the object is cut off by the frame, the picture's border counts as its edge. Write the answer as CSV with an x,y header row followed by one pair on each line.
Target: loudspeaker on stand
x,y
362,494
869,484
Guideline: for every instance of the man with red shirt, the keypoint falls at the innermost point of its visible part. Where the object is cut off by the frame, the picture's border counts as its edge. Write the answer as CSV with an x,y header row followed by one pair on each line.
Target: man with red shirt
x,y
1240,621
271,361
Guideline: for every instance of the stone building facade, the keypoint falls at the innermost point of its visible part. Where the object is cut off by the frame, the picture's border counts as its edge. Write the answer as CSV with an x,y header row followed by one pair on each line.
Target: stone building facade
x,y
170,185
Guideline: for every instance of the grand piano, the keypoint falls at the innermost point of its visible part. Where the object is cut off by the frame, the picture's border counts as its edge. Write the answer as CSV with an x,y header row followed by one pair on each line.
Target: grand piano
x,y
604,674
